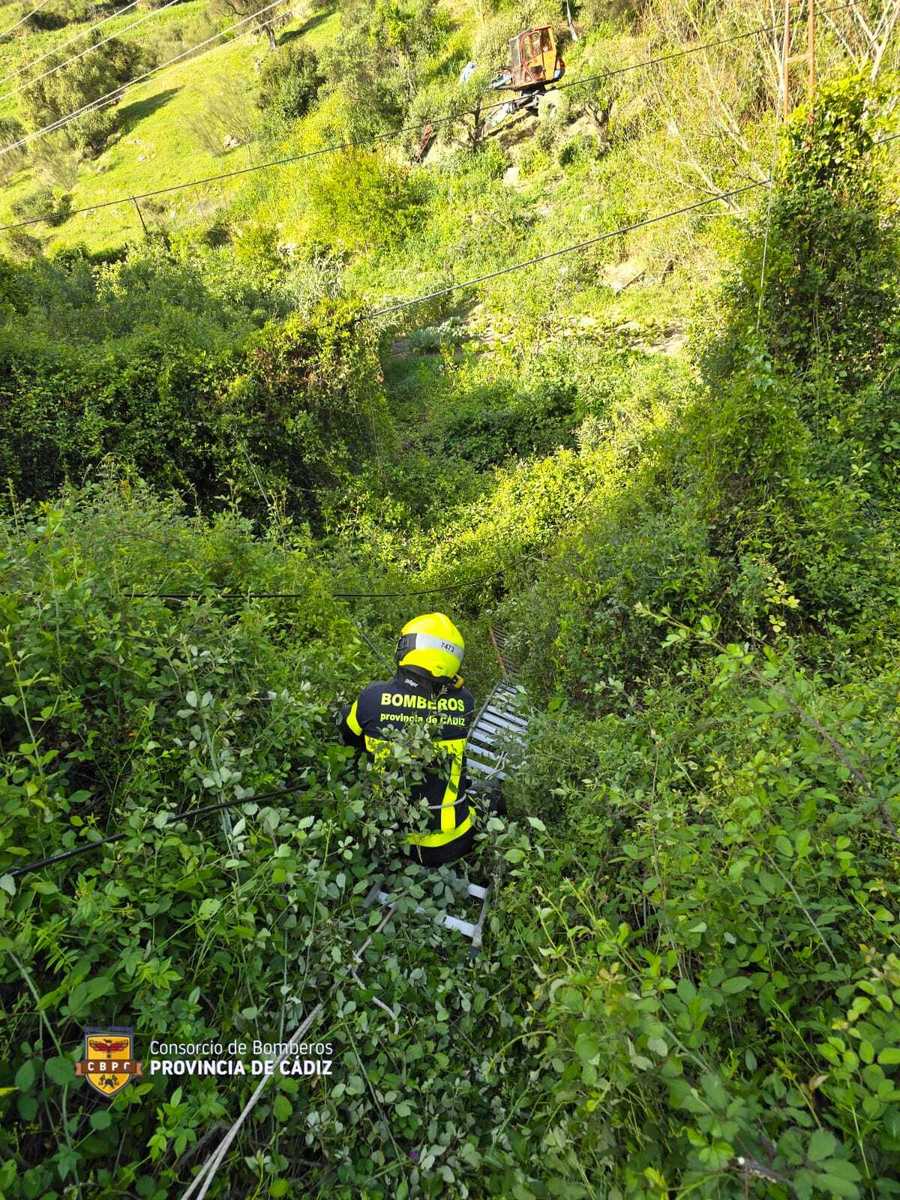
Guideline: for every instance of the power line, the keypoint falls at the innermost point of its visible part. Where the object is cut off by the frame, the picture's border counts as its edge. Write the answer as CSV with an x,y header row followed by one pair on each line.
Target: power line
x,y
100,101
22,20
575,246
88,50
374,140
571,249
177,816
58,49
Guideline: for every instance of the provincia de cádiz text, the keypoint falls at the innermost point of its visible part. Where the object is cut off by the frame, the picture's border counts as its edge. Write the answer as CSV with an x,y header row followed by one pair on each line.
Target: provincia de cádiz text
x,y
240,1058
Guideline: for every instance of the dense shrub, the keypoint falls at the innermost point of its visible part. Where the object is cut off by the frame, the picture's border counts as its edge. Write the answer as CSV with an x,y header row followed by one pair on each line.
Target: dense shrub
x,y
381,57
267,423
361,198
289,82
45,202
224,927
94,77
716,926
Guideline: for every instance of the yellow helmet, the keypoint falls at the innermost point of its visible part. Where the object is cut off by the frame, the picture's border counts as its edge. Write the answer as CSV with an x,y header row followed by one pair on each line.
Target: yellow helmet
x,y
433,643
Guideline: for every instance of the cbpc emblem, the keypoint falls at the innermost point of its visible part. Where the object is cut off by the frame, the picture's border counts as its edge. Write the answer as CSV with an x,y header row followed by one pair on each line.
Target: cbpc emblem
x,y
108,1061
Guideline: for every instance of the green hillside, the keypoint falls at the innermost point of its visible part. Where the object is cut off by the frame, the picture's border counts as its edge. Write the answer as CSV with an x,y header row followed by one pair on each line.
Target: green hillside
x,y
612,383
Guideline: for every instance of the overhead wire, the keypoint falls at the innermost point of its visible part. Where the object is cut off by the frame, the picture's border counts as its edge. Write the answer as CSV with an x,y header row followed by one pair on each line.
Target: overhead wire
x,y
186,814
374,139
22,20
69,42
87,50
115,92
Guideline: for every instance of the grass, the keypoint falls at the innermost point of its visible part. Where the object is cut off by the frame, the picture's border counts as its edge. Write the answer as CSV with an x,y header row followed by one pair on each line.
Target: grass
x,y
20,51
159,147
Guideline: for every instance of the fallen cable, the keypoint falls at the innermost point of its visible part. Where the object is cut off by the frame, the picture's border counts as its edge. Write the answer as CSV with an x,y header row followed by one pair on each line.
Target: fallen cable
x,y
208,1171
177,816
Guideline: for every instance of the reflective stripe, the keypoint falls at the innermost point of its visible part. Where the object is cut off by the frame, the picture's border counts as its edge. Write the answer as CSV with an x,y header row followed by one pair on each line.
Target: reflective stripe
x,y
353,720
442,839
452,806
456,748
427,641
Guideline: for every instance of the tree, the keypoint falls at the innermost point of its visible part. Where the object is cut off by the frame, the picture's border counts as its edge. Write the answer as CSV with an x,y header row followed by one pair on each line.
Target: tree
x,y
381,57
267,23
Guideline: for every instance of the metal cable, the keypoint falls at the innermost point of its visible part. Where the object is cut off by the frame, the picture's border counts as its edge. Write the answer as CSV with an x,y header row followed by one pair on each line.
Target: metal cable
x,y
88,50
116,92
58,49
356,143
176,816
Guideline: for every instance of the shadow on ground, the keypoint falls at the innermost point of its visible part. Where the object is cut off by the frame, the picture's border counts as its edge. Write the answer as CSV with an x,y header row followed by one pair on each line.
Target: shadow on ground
x,y
291,34
131,114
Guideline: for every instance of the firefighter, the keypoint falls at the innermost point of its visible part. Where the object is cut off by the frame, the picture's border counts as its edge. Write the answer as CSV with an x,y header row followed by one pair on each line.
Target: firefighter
x,y
427,687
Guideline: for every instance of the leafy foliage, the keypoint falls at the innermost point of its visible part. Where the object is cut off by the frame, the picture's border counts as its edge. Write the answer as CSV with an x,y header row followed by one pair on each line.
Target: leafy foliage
x,y
295,406
289,82
63,89
690,981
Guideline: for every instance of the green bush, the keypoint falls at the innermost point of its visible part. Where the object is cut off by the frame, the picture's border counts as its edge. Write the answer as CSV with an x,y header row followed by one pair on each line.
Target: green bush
x,y
289,82
270,422
716,925
45,202
92,78
361,198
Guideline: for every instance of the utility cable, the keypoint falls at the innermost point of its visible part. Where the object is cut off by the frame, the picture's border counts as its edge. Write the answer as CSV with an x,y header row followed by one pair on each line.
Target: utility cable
x,y
116,92
69,42
571,249
185,815
22,20
88,50
204,1177
356,143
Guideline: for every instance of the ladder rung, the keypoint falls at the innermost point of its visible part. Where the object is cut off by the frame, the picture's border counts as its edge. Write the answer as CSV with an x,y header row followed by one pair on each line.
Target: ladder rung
x,y
480,768
499,723
477,751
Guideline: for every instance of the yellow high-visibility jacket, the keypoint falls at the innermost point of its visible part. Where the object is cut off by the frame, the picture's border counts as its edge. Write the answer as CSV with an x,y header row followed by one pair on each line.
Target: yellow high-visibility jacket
x,y
391,704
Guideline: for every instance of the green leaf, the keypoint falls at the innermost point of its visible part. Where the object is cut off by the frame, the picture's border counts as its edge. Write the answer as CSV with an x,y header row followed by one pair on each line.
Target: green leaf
x,y
282,1107
60,1070
686,991
26,1075
587,1047
8,884
101,1119
67,1160
890,1057
208,909
838,1186
737,983
822,1145
714,1091
83,995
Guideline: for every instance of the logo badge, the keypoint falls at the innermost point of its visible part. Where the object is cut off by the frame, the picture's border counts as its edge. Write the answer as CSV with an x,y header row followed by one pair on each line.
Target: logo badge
x,y
108,1062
